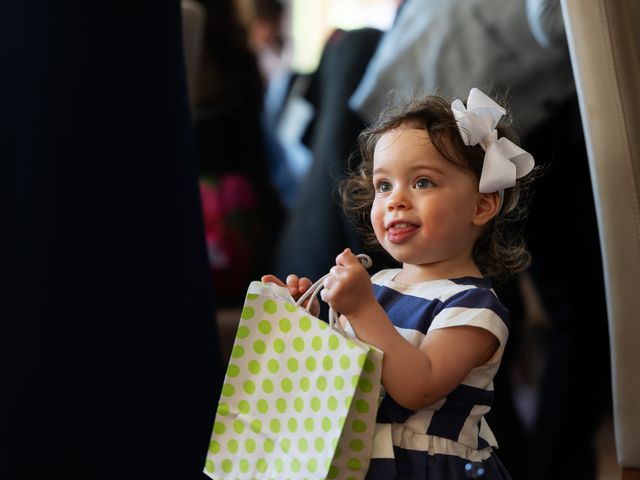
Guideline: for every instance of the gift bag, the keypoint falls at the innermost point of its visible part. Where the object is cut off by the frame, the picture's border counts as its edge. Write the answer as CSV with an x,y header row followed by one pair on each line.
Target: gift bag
x,y
299,398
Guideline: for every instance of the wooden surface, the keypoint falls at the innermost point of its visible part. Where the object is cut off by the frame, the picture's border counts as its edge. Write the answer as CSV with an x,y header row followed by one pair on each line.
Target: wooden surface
x,y
630,474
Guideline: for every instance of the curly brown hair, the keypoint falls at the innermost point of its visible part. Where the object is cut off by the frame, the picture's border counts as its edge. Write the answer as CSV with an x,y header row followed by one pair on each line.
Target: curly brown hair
x,y
500,250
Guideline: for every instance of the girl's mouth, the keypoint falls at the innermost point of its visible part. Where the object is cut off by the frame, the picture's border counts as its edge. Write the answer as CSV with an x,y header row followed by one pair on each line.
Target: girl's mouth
x,y
400,232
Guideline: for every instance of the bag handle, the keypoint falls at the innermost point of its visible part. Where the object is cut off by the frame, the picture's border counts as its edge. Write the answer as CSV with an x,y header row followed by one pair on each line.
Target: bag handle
x,y
314,289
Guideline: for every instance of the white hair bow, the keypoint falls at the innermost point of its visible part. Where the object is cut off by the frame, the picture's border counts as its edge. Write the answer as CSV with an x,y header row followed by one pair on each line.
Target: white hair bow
x,y
504,161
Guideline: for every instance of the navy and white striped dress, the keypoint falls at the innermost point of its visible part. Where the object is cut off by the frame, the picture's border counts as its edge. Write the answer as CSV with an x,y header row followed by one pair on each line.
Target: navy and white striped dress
x,y
438,441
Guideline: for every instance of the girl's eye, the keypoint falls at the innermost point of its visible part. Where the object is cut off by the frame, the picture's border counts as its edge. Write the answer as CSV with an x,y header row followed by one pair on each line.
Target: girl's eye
x,y
422,183
383,186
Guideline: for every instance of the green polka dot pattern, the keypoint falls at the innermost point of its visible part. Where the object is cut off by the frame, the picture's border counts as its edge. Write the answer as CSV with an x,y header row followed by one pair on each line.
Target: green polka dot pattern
x,y
291,384
354,448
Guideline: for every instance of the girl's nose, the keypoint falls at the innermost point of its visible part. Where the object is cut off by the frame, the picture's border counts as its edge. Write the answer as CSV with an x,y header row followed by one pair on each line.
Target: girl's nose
x,y
398,199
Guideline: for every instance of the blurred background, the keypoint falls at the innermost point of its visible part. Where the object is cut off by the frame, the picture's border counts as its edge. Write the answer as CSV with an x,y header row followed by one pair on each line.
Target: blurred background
x,y
160,156
323,70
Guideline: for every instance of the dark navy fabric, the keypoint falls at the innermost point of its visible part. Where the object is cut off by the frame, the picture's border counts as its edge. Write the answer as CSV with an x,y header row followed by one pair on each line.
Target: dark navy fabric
x,y
414,465
416,313
406,311
469,394
448,420
477,298
109,354
390,411
479,282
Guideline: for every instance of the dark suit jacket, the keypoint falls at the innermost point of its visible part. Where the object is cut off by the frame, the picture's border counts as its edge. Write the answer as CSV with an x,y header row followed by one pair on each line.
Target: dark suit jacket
x,y
317,229
108,348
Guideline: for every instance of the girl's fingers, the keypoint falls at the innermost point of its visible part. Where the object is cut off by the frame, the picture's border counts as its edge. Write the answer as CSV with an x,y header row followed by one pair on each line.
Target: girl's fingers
x,y
345,257
325,295
293,284
315,307
297,286
272,279
304,284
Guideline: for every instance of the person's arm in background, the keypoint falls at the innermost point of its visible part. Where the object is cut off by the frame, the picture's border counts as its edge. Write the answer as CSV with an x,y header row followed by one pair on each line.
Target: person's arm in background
x,y
545,20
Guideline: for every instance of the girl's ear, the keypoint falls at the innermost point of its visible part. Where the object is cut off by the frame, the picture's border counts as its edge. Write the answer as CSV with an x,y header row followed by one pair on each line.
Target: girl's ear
x,y
486,208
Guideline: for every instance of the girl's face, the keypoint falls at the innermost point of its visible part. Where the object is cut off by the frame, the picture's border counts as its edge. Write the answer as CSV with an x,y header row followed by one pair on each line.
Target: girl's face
x,y
425,207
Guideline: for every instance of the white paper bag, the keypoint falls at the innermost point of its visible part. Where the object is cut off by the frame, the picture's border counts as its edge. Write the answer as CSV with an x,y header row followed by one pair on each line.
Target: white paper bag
x,y
299,399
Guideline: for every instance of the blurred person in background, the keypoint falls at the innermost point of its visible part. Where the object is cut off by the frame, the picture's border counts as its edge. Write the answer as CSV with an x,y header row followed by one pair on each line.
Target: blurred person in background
x,y
285,115
242,210
317,227
267,36
320,132
575,386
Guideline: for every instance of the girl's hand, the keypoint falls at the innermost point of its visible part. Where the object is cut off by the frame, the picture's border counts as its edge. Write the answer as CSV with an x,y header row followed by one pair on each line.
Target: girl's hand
x,y
297,287
348,288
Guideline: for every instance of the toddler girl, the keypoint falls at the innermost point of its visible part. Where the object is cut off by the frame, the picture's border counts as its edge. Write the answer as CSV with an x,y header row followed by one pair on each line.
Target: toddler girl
x,y
439,183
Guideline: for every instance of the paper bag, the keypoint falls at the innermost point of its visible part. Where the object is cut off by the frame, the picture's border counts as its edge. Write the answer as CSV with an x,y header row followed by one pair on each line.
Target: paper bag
x,y
299,398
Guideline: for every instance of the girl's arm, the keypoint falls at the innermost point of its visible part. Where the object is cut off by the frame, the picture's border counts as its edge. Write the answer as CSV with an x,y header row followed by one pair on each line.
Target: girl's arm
x,y
414,376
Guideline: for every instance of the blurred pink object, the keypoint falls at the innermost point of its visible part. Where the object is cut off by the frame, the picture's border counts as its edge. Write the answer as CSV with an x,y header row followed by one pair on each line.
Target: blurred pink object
x,y
235,193
229,209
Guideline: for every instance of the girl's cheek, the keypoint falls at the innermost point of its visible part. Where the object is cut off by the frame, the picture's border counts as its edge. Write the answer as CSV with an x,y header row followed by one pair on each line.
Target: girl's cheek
x,y
375,217
377,222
